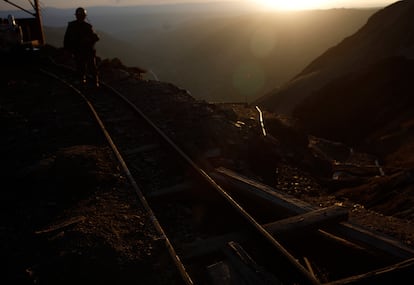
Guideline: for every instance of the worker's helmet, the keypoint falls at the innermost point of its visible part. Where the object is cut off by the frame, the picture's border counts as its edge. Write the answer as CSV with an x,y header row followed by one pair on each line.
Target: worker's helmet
x,y
80,12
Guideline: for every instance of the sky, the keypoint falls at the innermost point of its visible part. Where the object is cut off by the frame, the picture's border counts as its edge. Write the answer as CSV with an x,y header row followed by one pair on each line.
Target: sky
x,y
265,4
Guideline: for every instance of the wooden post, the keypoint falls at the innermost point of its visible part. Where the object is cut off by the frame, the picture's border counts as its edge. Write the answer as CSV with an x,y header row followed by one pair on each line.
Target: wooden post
x,y
39,23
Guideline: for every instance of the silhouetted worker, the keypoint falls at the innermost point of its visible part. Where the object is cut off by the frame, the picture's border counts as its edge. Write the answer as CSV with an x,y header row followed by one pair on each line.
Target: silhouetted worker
x,y
79,40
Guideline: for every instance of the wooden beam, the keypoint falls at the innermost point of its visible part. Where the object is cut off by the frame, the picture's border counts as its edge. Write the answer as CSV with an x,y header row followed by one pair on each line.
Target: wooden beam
x,y
346,230
62,225
245,270
311,221
309,267
219,273
372,239
39,22
243,184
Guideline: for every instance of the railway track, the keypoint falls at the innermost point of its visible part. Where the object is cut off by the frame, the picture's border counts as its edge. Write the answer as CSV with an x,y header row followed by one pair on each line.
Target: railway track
x,y
221,228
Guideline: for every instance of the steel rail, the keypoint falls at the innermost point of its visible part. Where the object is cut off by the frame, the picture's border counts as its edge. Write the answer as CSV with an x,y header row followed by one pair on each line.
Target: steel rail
x,y
306,275
298,272
184,274
303,274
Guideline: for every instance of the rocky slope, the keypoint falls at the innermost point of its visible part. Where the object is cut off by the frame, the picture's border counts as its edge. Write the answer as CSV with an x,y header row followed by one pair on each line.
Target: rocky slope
x,y
388,33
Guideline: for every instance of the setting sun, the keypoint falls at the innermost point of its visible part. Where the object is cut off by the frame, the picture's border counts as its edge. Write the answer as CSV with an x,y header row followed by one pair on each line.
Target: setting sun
x,y
292,4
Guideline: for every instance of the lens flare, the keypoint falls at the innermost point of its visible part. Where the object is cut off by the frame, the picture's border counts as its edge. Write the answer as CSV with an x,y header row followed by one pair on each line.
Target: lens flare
x,y
249,79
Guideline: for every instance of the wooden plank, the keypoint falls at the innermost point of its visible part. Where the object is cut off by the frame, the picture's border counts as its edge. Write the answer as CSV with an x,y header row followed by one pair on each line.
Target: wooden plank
x,y
309,267
281,200
210,245
219,274
311,221
372,239
62,225
245,270
340,240
388,275
294,206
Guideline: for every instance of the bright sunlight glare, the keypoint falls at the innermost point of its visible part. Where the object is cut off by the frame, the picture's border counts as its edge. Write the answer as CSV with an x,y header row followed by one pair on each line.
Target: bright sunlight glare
x,y
292,4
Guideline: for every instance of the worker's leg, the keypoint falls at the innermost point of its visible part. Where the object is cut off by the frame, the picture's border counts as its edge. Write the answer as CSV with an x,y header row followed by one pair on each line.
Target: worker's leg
x,y
81,67
94,70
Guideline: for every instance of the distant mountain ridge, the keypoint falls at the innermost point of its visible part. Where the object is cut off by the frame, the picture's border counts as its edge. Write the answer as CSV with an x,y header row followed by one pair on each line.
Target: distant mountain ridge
x,y
388,32
360,91
221,55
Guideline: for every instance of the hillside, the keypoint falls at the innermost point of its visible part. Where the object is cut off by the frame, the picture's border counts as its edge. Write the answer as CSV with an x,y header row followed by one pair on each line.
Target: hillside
x,y
370,108
360,93
388,33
